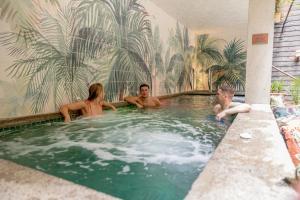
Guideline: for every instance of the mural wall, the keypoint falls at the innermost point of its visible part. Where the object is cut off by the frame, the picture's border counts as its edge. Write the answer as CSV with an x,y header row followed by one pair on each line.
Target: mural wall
x,y
52,50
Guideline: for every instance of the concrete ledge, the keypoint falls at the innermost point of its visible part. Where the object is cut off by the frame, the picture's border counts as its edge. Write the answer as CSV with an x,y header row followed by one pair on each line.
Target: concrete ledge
x,y
247,169
18,182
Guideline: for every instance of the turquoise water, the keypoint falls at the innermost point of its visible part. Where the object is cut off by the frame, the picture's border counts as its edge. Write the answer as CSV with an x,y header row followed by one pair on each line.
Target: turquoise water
x,y
131,154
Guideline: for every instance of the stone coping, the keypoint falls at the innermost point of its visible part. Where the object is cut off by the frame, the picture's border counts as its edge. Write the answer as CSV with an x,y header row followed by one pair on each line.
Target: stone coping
x,y
12,123
19,182
247,168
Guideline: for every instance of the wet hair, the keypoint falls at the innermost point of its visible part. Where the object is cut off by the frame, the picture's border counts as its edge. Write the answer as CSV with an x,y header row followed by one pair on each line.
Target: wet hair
x,y
227,89
95,90
144,85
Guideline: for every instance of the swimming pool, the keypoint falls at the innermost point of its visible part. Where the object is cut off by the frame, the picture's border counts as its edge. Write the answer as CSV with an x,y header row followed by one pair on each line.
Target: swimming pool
x,y
131,154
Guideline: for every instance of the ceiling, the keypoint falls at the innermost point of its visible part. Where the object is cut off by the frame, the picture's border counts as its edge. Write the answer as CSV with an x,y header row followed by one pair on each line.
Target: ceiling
x,y
201,15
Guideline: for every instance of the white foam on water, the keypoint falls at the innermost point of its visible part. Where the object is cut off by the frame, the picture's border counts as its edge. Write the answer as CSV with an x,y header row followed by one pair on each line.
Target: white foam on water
x,y
90,129
86,167
101,163
40,168
65,163
153,141
144,147
125,170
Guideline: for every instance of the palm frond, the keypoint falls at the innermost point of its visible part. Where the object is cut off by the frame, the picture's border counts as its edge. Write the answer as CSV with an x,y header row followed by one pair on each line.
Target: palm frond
x,y
206,51
46,62
22,12
234,52
232,69
176,62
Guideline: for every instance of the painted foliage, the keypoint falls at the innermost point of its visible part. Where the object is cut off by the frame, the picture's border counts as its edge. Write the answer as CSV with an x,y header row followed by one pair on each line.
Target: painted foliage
x,y
59,54
59,48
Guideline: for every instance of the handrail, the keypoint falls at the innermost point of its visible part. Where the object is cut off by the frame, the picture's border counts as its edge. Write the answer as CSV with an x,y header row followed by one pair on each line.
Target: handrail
x,y
287,15
285,73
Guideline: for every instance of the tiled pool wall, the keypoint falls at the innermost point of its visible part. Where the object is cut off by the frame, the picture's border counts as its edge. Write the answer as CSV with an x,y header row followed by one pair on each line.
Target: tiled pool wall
x,y
27,121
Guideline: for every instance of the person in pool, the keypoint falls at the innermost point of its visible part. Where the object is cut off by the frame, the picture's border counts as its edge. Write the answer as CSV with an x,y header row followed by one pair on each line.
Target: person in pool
x,y
90,107
225,107
144,100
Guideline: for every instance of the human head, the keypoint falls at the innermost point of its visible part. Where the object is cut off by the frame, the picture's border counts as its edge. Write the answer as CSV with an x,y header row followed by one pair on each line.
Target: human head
x,y
95,91
144,90
225,94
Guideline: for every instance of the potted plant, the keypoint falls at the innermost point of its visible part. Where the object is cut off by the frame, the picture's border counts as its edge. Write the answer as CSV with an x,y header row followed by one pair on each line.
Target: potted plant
x,y
277,87
295,90
277,94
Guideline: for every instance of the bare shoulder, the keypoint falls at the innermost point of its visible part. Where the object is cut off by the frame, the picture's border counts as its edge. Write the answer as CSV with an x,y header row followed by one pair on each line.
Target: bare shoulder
x,y
75,105
156,101
217,108
82,104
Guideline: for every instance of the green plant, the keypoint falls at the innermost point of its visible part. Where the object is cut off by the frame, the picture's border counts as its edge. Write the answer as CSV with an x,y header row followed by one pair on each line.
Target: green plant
x,y
207,53
277,86
231,70
295,90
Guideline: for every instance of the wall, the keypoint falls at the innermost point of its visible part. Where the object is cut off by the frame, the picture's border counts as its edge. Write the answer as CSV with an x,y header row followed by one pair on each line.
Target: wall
x,y
51,51
259,56
286,42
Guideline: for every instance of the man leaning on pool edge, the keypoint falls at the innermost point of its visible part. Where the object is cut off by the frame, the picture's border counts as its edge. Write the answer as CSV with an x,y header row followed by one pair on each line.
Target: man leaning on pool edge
x,y
144,100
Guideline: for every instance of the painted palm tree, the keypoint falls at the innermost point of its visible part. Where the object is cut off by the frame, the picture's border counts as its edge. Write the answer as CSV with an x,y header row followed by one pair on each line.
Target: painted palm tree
x,y
207,53
232,69
44,59
157,66
180,65
130,46
169,80
20,12
160,64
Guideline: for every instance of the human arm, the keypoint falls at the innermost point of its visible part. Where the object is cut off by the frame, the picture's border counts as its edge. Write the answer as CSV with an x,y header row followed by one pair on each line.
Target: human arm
x,y
217,108
64,110
157,102
242,108
106,104
134,101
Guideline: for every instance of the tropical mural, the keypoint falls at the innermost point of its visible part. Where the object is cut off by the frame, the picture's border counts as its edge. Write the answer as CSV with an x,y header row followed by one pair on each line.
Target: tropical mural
x,y
58,48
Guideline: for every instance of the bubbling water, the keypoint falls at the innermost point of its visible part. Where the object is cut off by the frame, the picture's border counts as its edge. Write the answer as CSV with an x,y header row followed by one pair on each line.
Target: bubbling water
x,y
157,153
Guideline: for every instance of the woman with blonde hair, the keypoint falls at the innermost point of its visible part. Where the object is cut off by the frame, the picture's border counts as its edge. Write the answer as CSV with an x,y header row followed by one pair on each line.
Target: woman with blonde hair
x,y
90,107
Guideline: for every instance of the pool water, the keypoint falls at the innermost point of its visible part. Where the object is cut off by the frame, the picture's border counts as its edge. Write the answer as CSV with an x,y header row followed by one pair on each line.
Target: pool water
x,y
130,154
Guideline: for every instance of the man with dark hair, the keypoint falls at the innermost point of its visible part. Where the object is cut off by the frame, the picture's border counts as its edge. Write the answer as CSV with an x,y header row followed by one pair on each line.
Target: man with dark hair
x,y
143,100
225,106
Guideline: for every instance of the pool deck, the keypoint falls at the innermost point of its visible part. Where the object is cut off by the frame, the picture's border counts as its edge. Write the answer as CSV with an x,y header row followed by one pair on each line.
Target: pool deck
x,y
18,183
247,168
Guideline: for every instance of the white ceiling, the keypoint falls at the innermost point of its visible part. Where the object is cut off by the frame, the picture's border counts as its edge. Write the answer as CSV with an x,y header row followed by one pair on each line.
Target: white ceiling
x,y
208,15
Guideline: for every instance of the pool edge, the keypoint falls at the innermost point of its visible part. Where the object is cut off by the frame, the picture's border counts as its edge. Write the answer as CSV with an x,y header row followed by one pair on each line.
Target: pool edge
x,y
247,169
20,182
